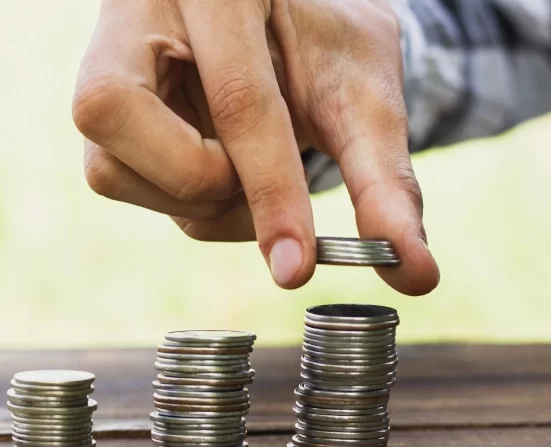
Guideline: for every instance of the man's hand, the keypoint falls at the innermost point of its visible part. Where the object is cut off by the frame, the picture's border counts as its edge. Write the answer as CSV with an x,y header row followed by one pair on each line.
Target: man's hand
x,y
193,108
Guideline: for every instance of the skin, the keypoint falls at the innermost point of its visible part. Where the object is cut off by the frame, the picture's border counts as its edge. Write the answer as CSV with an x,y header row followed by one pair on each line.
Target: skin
x,y
199,109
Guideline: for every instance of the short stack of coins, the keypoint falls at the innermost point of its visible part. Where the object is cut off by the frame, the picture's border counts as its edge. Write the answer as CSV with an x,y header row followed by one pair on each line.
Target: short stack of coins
x,y
51,408
348,368
355,252
200,394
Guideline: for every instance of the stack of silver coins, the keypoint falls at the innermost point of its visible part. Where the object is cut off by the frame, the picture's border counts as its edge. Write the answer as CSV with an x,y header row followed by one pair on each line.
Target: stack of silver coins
x,y
355,252
349,366
200,394
52,408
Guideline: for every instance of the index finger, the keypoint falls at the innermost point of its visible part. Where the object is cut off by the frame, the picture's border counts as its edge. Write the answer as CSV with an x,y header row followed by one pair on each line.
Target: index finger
x,y
253,123
117,107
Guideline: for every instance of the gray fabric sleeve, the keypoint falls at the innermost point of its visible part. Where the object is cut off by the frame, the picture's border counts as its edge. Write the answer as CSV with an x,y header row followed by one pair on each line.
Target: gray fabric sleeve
x,y
473,68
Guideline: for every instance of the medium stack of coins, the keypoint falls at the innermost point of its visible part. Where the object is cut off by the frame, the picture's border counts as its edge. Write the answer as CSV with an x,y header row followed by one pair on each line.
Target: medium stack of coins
x,y
348,369
51,408
355,252
200,394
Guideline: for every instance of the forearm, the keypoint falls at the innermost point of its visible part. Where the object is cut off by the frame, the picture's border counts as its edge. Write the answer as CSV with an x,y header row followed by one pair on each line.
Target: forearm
x,y
473,68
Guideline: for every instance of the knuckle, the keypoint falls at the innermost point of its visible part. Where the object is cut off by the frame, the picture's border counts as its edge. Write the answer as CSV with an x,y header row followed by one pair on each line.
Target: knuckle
x,y
190,187
98,107
265,195
238,100
389,101
406,180
101,172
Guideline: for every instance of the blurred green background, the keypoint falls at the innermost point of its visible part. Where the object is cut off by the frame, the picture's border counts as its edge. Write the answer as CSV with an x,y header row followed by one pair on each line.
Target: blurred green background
x,y
79,270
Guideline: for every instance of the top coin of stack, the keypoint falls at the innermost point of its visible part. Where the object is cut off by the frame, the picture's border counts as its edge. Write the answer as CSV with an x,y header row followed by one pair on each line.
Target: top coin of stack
x,y
51,408
348,368
200,394
355,252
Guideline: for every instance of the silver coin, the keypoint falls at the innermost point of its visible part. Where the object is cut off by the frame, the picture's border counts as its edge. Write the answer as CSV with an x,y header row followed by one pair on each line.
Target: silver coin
x,y
353,242
216,401
348,377
197,388
235,426
372,256
230,376
358,250
175,391
356,263
352,356
351,326
197,444
188,368
177,348
356,253
203,357
205,362
340,411
66,437
340,442
168,397
357,379
236,431
209,336
202,414
56,419
336,334
25,443
65,378
351,377
197,439
366,361
345,387
363,351
379,424
351,313
377,434
73,412
365,252
299,441
349,342
242,432
218,419
223,408
355,340
344,419
344,404
43,401
53,429
326,385
214,380
52,391
308,391
353,369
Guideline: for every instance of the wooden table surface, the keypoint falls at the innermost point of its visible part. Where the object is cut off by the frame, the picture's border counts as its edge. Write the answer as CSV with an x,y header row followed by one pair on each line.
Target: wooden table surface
x,y
446,396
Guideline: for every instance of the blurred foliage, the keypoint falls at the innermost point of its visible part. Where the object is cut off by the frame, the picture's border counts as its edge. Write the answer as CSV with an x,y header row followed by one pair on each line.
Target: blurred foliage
x,y
79,270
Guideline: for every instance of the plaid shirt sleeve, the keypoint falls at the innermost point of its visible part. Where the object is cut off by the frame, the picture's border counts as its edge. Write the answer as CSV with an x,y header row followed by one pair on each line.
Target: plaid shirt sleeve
x,y
473,68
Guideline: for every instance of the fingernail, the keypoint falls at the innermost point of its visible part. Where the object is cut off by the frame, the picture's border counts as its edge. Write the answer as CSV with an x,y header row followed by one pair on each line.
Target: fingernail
x,y
285,260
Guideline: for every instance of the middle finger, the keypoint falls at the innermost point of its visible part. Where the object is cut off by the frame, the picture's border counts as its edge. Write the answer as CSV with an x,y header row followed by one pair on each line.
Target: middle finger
x,y
111,178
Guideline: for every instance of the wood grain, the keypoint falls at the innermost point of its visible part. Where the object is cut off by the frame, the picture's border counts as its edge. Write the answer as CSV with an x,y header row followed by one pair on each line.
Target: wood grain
x,y
425,438
438,386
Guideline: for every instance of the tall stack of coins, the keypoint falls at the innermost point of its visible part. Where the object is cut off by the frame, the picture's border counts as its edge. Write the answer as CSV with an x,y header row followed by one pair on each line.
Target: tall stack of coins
x,y
51,408
355,252
348,369
200,394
